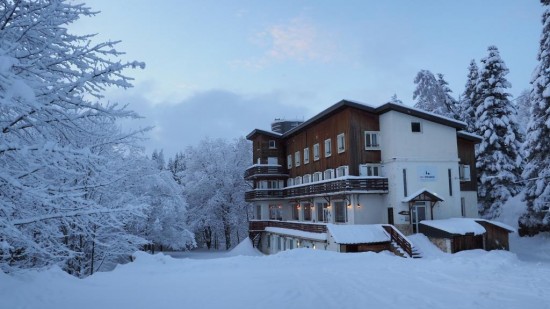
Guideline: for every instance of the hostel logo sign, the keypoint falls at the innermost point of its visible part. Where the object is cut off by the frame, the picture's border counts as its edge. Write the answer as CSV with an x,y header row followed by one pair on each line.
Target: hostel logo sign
x,y
427,173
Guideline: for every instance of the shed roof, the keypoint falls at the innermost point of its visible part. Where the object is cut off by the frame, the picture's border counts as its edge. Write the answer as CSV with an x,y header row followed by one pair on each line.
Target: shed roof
x,y
423,195
456,226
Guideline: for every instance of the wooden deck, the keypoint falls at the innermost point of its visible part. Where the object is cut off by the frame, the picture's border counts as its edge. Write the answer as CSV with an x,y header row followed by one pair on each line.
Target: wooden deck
x,y
260,225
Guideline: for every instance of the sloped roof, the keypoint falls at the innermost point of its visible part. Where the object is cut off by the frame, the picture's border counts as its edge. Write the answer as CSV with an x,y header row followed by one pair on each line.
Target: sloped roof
x,y
432,195
384,108
456,226
297,233
358,234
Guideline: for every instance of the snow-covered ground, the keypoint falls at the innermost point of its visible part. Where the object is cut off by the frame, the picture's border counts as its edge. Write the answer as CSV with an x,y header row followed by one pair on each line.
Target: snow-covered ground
x,y
300,278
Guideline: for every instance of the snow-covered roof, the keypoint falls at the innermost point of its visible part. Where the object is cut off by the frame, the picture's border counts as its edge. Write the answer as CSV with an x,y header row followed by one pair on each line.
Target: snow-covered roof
x,y
499,224
469,136
358,234
297,233
459,226
423,190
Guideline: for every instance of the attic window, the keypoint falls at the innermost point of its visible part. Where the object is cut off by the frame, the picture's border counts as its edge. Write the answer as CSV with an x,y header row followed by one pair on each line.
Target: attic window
x,y
415,127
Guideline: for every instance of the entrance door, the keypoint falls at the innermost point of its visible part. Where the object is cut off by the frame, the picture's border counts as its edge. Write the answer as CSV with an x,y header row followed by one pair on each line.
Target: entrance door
x,y
418,214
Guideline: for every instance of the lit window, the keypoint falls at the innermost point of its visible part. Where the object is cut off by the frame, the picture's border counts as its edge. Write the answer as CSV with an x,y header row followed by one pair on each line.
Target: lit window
x,y
371,140
328,148
297,158
316,152
306,155
341,142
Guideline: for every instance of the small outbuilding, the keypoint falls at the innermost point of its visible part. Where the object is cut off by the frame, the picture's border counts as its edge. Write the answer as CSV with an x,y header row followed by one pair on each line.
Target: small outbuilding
x,y
458,234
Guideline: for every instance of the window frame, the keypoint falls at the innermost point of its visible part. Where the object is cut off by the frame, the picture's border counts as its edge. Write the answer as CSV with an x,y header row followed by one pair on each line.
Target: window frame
x,y
328,148
272,144
297,158
341,142
371,145
306,155
372,167
289,161
316,152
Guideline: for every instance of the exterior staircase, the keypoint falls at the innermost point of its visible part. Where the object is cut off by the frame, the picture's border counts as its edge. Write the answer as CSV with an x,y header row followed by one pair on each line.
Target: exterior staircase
x,y
400,245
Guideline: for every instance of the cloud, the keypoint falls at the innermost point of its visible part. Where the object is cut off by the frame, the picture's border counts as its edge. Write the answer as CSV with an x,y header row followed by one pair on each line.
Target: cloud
x,y
298,40
213,113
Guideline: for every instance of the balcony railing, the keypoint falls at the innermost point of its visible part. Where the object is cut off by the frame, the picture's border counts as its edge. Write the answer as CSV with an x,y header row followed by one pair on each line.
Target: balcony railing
x,y
259,170
256,225
342,185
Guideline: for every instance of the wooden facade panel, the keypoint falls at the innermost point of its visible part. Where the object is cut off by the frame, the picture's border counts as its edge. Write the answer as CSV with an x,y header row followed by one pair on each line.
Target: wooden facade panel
x,y
467,156
352,122
378,247
261,150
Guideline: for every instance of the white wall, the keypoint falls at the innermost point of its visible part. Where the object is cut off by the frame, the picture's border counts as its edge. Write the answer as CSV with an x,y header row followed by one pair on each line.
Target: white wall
x,y
373,209
434,150
470,198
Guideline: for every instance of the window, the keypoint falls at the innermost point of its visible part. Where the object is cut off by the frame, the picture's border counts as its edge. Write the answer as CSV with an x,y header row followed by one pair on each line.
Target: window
x,y
275,212
342,171
307,211
371,140
315,152
369,170
290,182
317,176
289,161
272,161
323,212
258,212
463,206
279,247
298,180
329,174
306,155
306,178
416,127
272,144
341,142
328,148
341,212
297,158
296,212
450,182
464,171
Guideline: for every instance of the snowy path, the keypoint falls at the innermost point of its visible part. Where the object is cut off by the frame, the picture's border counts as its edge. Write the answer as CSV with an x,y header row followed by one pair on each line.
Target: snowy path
x,y
299,278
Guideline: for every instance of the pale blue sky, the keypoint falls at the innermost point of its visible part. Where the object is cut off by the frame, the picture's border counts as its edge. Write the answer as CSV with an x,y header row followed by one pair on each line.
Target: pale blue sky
x,y
223,68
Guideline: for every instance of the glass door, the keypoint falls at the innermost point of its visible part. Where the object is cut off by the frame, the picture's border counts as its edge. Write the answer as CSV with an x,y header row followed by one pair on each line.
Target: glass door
x,y
418,214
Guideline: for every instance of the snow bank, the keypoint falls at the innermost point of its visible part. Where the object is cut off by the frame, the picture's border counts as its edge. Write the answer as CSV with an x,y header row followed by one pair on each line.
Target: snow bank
x,y
300,278
358,234
244,248
426,248
460,226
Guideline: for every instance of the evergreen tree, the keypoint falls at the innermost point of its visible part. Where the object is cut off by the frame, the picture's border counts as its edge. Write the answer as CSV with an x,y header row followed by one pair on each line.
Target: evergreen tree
x,y
395,100
498,155
523,106
537,145
432,94
469,97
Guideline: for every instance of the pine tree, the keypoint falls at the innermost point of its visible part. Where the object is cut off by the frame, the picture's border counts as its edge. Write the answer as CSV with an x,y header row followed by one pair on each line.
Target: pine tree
x,y
469,97
498,155
432,94
537,145
395,100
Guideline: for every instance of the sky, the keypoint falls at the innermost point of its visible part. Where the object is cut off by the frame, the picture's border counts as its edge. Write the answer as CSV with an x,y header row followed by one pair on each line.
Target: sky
x,y
219,69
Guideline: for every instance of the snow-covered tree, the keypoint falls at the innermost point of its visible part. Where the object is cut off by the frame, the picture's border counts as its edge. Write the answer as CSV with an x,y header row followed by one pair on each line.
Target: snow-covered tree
x,y
523,106
433,94
469,97
498,158
537,144
214,189
62,156
394,99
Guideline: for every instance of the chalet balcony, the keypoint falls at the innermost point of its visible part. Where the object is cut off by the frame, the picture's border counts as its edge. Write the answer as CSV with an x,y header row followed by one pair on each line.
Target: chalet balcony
x,y
349,184
265,170
260,225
